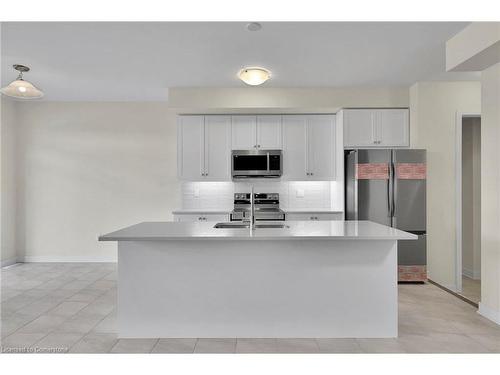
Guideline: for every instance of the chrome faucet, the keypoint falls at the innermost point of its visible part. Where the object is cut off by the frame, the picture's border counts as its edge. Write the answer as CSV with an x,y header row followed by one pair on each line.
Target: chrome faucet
x,y
252,210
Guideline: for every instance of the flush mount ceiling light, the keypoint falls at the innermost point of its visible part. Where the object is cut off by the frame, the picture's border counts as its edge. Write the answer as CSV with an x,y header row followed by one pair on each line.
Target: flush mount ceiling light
x,y
254,26
254,76
20,88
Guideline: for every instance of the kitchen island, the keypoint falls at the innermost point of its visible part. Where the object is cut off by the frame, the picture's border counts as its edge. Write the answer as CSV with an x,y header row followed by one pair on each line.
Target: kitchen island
x,y
306,279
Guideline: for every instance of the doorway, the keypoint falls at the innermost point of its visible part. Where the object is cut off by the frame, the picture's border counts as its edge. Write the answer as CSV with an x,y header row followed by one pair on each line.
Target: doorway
x,y
469,229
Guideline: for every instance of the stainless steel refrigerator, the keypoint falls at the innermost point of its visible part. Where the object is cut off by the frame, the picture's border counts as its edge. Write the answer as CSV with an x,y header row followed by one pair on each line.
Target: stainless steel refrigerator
x,y
388,186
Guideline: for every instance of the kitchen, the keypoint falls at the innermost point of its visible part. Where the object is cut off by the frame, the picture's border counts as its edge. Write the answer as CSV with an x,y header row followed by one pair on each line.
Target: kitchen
x,y
341,188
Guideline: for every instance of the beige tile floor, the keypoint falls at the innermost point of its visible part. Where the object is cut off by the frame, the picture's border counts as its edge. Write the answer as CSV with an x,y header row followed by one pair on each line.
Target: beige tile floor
x,y
471,289
71,307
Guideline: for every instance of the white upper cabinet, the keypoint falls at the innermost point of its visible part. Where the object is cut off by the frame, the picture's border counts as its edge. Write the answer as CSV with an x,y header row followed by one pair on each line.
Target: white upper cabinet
x,y
359,127
309,144
321,147
204,148
269,135
190,147
294,147
309,147
217,148
376,128
244,132
256,132
393,127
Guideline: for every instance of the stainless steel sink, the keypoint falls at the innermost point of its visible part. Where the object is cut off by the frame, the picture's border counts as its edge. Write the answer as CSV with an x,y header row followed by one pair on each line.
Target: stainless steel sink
x,y
232,225
271,226
247,225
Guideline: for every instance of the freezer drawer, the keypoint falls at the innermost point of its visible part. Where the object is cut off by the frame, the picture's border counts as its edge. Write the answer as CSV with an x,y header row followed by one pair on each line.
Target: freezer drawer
x,y
413,253
412,259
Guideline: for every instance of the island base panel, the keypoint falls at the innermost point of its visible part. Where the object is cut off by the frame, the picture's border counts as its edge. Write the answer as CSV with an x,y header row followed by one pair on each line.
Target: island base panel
x,y
282,289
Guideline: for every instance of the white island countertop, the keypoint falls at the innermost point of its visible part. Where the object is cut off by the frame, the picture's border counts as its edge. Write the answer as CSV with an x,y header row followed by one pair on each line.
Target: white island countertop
x,y
293,230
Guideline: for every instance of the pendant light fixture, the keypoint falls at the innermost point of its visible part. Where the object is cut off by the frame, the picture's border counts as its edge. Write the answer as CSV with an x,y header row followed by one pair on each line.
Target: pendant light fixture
x,y
254,76
20,88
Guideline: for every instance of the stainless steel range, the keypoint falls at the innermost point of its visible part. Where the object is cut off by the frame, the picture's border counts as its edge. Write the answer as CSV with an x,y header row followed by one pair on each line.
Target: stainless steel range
x,y
266,207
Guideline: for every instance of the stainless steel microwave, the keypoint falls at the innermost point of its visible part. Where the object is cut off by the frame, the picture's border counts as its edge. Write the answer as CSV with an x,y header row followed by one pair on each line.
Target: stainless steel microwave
x,y
256,164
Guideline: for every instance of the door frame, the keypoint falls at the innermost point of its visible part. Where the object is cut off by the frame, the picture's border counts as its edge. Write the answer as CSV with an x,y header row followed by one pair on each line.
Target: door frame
x,y
458,195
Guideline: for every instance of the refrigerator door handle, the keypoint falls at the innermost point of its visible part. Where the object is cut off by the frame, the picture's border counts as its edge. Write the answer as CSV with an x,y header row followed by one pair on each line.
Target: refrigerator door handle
x,y
389,192
394,190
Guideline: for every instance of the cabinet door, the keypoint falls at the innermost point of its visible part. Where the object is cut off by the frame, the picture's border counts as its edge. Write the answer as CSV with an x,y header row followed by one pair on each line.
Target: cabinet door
x,y
269,132
201,217
311,216
294,147
392,127
217,148
190,147
359,128
321,147
244,131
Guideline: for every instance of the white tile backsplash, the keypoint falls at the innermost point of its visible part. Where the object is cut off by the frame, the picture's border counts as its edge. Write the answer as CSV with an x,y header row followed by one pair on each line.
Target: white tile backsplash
x,y
308,194
207,195
293,194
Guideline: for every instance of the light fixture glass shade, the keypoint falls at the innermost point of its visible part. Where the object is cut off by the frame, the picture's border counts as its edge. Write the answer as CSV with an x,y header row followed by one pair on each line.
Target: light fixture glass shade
x,y
254,76
21,89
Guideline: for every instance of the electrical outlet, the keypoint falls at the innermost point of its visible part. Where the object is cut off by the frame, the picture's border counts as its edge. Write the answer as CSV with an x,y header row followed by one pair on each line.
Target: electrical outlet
x,y
299,193
196,192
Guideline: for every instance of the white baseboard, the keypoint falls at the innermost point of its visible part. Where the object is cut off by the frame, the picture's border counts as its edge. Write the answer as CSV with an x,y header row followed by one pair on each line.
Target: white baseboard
x,y
489,313
467,273
471,274
70,259
8,262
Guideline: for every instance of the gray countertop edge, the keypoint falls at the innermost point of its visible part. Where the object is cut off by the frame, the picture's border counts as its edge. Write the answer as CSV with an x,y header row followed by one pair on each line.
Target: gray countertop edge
x,y
286,210
260,238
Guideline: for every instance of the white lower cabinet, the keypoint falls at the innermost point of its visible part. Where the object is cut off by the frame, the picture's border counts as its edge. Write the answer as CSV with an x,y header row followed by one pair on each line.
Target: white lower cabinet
x,y
307,216
201,217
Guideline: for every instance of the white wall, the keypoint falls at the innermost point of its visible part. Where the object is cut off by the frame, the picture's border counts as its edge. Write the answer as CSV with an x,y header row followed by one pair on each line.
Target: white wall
x,y
85,169
433,109
490,194
89,168
471,197
8,183
283,100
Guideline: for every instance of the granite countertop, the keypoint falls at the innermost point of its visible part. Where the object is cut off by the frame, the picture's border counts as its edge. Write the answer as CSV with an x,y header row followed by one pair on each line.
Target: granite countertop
x,y
294,230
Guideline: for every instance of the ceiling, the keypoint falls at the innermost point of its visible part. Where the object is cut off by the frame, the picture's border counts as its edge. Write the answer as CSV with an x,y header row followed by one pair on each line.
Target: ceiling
x,y
141,60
